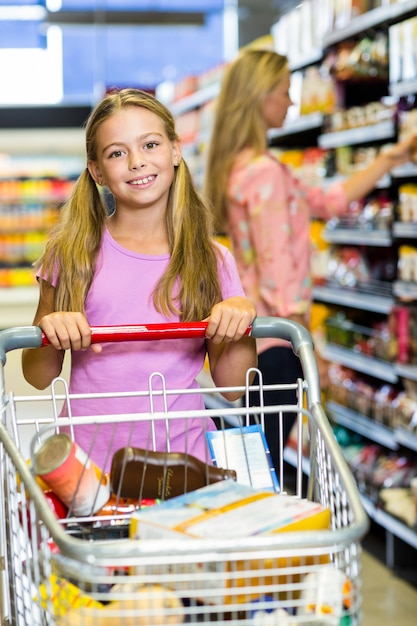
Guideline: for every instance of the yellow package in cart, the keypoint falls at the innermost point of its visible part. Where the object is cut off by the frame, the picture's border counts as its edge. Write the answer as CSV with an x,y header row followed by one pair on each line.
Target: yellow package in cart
x,y
64,596
231,510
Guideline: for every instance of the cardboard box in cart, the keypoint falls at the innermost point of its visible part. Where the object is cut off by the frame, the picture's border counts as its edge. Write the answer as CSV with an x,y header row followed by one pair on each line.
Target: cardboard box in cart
x,y
229,510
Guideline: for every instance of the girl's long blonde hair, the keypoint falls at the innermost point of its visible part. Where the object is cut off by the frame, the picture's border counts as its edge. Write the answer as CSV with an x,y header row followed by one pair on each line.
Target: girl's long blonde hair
x,y
238,122
72,248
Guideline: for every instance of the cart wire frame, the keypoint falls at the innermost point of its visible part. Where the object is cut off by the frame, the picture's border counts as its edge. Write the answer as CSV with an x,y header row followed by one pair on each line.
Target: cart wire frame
x,y
239,581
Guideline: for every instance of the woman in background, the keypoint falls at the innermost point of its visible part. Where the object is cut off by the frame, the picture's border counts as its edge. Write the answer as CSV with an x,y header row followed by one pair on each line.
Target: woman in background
x,y
266,210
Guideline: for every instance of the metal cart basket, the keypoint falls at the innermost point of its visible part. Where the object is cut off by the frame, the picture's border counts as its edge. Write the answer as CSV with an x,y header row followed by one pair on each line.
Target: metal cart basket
x,y
94,570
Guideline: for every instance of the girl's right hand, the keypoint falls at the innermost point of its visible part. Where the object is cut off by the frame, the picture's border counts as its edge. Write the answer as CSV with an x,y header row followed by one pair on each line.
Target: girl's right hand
x,y
67,330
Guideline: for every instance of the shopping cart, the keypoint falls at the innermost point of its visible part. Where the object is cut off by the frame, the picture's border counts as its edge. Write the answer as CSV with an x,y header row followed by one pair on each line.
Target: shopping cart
x,y
89,570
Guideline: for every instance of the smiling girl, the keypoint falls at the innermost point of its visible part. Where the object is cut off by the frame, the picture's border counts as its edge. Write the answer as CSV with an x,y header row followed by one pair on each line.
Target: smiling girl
x,y
152,260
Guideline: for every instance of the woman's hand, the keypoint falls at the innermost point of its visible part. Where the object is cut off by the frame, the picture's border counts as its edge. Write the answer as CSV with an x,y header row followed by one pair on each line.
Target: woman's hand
x,y
403,151
230,319
68,330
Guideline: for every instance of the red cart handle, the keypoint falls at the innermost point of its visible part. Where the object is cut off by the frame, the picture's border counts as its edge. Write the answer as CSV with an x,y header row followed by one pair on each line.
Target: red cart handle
x,y
147,332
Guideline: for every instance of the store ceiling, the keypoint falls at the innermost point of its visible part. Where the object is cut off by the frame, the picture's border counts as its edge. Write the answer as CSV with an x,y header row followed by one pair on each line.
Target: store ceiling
x,y
255,16
114,51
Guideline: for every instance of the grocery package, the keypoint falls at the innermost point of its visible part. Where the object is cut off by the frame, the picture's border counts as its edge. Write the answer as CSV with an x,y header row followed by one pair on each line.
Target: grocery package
x,y
231,510
128,604
141,473
72,475
228,509
407,263
407,206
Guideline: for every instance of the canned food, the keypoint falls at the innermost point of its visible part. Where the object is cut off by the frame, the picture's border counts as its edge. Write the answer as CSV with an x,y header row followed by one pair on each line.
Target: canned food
x,y
72,475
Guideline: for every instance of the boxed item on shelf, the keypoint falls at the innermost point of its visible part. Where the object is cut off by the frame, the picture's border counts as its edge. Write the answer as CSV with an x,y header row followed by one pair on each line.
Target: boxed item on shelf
x,y
185,87
407,263
403,322
400,502
188,126
407,206
402,50
405,409
318,92
17,277
211,76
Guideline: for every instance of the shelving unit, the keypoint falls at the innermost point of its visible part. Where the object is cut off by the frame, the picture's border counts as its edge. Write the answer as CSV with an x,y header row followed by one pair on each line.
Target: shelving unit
x,y
383,131
393,527
381,16
350,298
391,439
18,305
196,99
38,167
308,131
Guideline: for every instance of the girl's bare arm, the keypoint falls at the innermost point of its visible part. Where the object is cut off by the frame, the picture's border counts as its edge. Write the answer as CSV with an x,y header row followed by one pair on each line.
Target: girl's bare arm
x,y
41,365
230,352
64,330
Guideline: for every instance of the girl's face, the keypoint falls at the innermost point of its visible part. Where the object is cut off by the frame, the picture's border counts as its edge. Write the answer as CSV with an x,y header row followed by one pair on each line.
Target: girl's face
x,y
135,158
276,104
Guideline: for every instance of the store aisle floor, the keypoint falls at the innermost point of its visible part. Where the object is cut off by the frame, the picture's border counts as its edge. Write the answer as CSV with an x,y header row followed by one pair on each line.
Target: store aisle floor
x,y
387,599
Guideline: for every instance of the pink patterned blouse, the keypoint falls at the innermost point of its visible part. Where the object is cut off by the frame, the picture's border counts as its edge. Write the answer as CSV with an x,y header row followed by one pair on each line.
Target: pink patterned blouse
x,y
269,225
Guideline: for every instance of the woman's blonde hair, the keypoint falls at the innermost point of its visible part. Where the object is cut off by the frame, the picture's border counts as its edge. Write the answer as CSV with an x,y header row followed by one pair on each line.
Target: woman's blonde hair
x,y
72,248
238,122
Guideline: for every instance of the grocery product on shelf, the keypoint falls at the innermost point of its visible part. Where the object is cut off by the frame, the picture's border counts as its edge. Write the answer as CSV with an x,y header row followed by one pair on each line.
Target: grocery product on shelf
x,y
29,205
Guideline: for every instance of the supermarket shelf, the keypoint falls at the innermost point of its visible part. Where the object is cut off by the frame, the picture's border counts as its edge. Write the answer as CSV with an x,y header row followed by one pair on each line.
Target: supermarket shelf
x,y
405,171
391,524
405,230
18,305
404,88
352,236
390,372
406,371
360,362
196,99
314,56
386,521
303,124
405,290
383,183
354,299
371,19
362,425
18,295
406,439
60,142
364,134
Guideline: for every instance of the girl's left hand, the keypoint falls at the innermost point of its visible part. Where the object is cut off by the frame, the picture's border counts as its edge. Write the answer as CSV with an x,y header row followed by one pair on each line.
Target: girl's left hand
x,y
229,319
